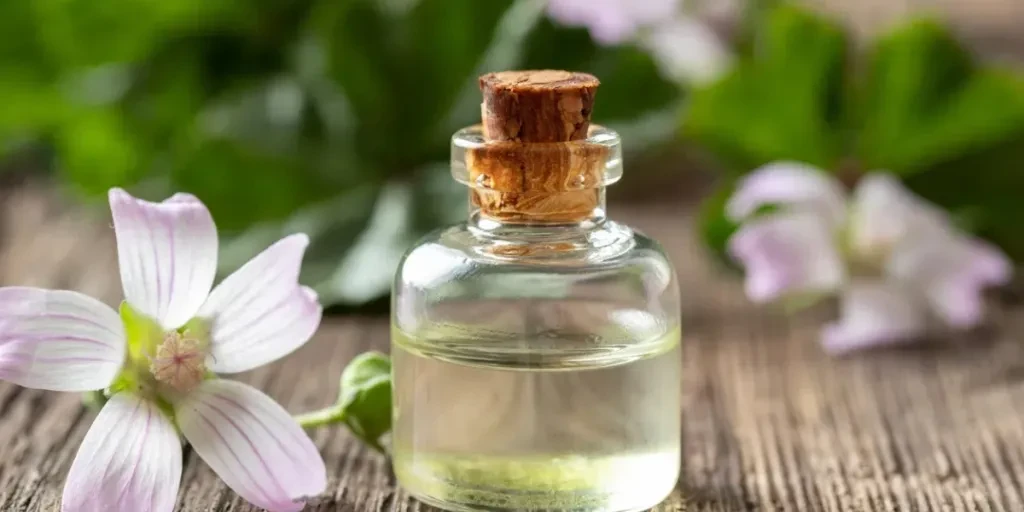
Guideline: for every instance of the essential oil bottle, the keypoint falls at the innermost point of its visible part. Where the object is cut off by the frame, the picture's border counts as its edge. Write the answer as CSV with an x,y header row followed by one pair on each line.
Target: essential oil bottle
x,y
535,347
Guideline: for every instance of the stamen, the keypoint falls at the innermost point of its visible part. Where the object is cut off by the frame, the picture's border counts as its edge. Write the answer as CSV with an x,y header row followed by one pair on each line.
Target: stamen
x,y
179,362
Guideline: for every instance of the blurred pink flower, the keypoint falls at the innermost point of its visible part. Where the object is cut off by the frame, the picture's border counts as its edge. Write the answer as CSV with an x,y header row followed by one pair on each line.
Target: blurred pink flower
x,y
895,260
155,360
612,21
685,48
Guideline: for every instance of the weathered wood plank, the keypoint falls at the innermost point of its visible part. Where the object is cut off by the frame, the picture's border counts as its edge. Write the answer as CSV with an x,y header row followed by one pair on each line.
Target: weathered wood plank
x,y
770,423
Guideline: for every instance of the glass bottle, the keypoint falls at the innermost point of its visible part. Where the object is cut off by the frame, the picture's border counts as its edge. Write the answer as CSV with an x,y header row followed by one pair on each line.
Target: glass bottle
x,y
535,347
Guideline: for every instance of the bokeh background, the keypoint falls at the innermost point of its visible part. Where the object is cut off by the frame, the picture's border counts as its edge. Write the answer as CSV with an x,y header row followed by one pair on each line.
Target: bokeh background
x,y
333,117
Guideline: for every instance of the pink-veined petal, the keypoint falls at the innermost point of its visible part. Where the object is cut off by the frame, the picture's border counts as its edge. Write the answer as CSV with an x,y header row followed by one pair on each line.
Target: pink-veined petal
x,y
130,460
885,213
791,184
874,313
167,253
952,271
253,444
58,340
786,254
260,313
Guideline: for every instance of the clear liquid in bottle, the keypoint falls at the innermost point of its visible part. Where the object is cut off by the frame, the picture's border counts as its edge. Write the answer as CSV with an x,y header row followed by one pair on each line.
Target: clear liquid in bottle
x,y
525,431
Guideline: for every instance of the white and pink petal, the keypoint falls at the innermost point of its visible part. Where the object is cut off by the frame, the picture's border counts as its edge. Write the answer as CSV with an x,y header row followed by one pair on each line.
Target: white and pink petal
x,y
260,313
167,253
58,340
253,444
951,272
789,185
787,255
885,214
874,313
129,460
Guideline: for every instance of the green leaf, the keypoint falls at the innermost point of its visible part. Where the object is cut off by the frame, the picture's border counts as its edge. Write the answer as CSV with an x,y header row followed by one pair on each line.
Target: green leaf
x,y
440,62
32,105
30,98
97,151
953,129
82,33
404,211
439,200
358,237
367,269
333,226
926,102
505,51
402,72
620,70
575,48
244,185
360,58
268,116
982,191
365,398
20,46
715,228
364,401
781,103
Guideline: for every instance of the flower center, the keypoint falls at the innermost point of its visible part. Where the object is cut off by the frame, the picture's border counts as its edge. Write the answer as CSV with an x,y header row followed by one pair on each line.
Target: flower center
x,y
179,362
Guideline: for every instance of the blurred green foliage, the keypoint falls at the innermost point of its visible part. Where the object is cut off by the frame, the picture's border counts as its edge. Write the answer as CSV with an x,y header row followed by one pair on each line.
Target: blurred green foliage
x,y
916,104
325,116
332,117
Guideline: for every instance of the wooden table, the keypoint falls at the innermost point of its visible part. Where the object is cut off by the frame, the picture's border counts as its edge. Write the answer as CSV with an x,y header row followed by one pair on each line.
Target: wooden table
x,y
770,423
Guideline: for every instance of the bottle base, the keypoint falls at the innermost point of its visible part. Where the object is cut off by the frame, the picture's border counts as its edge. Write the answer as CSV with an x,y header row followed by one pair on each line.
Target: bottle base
x,y
566,483
472,507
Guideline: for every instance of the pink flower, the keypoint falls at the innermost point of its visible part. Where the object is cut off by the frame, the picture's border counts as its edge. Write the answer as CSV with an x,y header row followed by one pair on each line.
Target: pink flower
x,y
896,261
157,359
612,21
685,48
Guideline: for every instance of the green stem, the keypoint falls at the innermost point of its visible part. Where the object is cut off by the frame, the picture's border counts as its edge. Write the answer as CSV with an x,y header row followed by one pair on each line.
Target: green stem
x,y
326,416
336,414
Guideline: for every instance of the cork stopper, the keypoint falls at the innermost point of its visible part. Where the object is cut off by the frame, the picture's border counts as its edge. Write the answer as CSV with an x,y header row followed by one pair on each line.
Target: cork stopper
x,y
537,106
537,165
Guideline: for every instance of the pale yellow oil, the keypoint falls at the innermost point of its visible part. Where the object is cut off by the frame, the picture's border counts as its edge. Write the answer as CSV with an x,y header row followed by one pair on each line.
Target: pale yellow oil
x,y
594,429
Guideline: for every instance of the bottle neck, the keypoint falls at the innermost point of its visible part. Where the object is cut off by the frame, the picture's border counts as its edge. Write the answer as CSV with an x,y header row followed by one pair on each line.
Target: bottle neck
x,y
539,196
580,208
591,238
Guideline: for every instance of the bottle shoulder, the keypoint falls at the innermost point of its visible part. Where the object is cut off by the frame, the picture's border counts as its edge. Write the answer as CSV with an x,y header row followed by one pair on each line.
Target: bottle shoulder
x,y
610,243
608,247
614,291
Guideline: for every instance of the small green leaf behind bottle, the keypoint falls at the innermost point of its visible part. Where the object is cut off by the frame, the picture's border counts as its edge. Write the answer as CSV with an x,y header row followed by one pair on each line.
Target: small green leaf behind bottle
x,y
364,401
366,397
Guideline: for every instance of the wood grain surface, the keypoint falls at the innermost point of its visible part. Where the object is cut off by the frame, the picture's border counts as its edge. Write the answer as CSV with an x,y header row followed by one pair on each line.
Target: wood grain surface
x,y
769,422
